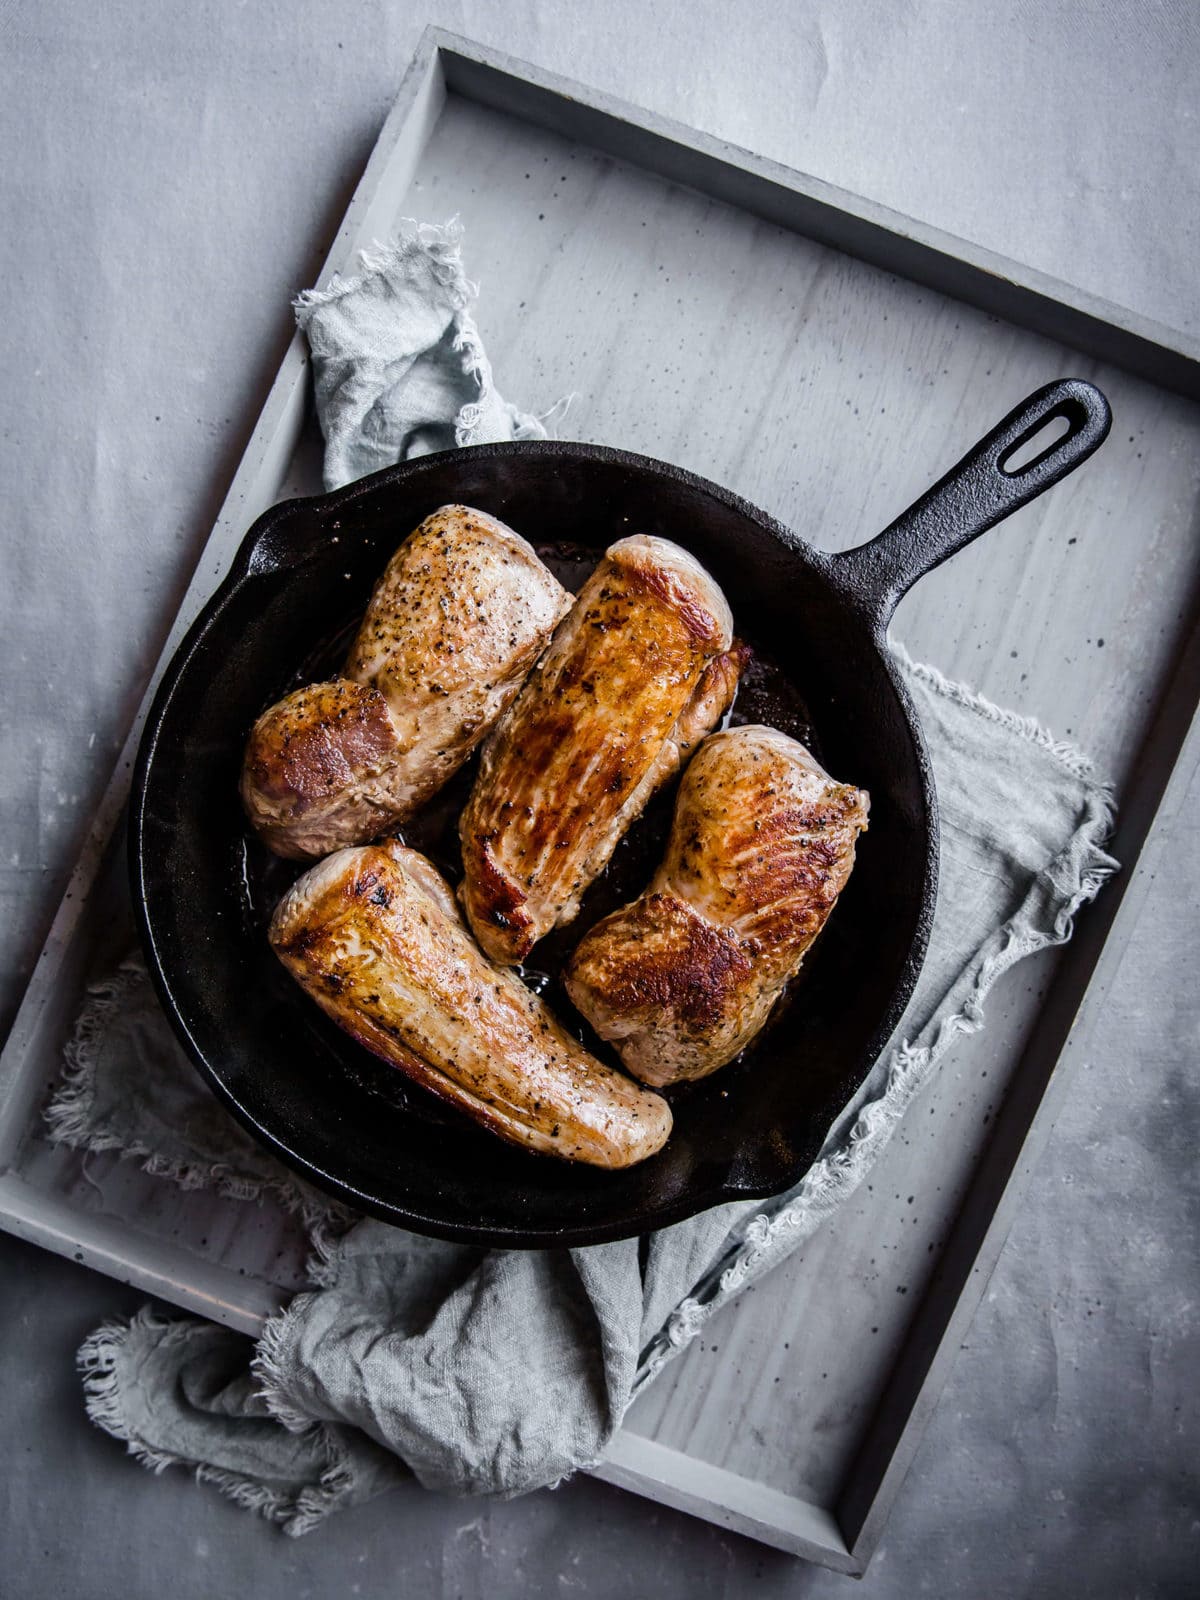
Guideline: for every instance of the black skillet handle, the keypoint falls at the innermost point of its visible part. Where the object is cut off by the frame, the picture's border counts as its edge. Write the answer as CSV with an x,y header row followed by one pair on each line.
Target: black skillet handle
x,y
976,494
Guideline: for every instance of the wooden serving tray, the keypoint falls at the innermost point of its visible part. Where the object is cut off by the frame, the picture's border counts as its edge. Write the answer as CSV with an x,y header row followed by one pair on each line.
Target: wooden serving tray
x,y
827,359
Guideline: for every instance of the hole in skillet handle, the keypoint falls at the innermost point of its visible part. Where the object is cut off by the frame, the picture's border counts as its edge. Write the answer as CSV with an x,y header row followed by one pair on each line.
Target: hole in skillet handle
x,y
1035,446
1046,438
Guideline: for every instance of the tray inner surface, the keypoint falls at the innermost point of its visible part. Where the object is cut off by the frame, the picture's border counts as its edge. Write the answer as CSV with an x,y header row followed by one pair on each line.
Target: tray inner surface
x,y
830,394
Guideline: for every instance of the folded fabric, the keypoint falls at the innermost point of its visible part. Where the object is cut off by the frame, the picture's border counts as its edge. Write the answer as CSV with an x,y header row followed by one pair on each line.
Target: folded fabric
x,y
501,1371
399,369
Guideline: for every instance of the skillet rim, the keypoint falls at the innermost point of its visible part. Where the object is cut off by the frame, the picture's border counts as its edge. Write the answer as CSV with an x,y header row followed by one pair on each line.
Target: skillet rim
x,y
871,609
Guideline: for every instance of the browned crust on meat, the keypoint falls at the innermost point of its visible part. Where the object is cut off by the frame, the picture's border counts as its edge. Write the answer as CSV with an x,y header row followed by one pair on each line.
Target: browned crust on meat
x,y
498,899
382,1044
456,620
713,696
603,720
804,855
457,575
315,741
761,846
667,586
688,970
759,852
372,935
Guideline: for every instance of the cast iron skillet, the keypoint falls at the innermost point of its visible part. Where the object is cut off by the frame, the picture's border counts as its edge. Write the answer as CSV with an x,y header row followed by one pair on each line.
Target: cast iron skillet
x,y
203,888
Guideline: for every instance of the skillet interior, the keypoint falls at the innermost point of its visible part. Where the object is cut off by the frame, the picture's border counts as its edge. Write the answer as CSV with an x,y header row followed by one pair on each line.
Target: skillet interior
x,y
348,1121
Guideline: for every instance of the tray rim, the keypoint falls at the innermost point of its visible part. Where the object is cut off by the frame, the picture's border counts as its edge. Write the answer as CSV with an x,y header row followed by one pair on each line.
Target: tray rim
x,y
842,1538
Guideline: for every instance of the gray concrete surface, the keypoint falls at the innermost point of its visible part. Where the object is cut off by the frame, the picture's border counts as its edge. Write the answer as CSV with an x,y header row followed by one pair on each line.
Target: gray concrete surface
x,y
170,177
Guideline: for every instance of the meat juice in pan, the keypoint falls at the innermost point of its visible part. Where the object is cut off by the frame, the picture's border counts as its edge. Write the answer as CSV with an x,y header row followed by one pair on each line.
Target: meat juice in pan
x,y
765,695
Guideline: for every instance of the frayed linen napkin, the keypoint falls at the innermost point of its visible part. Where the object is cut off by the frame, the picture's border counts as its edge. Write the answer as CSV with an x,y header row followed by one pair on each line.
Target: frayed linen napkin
x,y
399,369
501,1371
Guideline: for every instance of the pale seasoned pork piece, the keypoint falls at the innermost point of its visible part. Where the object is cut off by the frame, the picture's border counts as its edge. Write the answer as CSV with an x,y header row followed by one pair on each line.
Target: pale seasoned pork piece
x,y
374,936
462,612
761,846
641,668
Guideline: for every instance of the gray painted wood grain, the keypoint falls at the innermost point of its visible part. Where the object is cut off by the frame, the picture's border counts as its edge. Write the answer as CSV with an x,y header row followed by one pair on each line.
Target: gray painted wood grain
x,y
203,166
789,371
